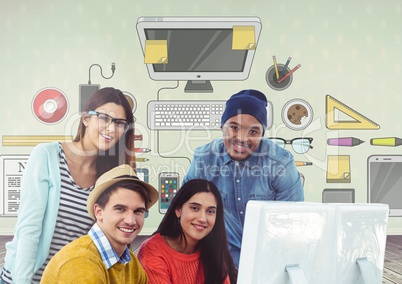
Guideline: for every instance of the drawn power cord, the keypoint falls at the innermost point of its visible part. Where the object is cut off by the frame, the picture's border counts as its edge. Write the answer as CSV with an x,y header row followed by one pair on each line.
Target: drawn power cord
x,y
168,157
158,150
101,72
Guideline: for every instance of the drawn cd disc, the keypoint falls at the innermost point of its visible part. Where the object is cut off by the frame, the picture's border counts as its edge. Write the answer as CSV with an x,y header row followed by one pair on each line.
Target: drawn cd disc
x,y
50,105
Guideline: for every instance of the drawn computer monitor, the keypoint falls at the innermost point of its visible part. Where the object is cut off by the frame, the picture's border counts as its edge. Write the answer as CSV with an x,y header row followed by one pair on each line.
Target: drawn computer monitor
x,y
200,49
315,243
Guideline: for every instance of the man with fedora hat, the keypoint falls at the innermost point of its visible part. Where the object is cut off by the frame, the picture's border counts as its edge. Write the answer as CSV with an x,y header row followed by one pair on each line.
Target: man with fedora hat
x,y
119,204
244,164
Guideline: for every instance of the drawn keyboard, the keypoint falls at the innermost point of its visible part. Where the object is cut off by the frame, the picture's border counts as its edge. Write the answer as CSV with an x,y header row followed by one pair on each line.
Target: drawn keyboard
x,y
182,115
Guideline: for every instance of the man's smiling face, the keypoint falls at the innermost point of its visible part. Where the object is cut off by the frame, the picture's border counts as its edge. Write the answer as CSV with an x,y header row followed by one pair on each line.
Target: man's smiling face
x,y
241,136
122,218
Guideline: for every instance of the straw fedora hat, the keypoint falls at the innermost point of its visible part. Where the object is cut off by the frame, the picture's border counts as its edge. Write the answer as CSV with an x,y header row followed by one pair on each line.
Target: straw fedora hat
x,y
119,173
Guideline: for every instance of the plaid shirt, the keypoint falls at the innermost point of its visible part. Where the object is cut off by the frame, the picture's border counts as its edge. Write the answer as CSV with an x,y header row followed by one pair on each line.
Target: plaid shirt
x,y
108,254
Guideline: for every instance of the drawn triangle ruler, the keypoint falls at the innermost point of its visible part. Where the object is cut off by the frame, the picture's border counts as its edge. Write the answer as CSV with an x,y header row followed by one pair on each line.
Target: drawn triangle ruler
x,y
356,121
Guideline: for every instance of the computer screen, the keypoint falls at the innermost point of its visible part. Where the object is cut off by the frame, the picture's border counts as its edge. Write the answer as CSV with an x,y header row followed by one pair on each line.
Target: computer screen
x,y
319,243
200,49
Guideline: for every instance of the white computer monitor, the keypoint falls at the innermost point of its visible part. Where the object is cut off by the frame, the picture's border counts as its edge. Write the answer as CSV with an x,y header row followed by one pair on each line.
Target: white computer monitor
x,y
199,49
302,242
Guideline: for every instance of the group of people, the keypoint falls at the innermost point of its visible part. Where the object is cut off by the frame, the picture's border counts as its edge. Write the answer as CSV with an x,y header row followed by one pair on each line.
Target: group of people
x,y
82,204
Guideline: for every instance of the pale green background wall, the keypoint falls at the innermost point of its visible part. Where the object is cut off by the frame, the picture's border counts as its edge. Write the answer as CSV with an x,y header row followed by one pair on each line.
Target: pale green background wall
x,y
351,50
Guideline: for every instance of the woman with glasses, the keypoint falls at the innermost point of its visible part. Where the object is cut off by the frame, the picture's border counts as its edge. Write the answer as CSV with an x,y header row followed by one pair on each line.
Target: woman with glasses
x,y
57,181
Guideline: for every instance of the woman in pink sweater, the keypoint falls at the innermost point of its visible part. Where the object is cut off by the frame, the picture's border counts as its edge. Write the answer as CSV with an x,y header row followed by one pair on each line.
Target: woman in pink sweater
x,y
190,244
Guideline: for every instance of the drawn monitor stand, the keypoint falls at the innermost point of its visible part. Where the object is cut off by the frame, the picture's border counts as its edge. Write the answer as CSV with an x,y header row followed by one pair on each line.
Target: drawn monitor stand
x,y
340,116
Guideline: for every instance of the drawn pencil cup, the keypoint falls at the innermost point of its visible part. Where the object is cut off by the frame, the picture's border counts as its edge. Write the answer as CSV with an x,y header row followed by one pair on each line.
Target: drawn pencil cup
x,y
271,79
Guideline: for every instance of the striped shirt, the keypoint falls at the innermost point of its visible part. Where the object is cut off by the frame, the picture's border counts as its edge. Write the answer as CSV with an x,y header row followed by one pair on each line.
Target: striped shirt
x,y
108,254
73,220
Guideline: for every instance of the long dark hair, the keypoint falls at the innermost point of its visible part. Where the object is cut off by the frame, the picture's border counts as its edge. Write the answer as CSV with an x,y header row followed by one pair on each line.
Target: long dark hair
x,y
215,256
123,151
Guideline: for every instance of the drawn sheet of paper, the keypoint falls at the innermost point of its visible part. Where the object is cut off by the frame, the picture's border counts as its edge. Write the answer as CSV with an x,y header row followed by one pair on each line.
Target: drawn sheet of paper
x,y
12,168
338,169
156,52
243,38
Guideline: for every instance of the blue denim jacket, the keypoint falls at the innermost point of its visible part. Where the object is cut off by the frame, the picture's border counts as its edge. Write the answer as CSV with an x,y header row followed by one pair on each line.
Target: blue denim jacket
x,y
268,174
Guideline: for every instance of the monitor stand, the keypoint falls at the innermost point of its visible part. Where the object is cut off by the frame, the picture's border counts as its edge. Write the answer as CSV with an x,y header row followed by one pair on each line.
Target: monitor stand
x,y
198,86
296,274
367,271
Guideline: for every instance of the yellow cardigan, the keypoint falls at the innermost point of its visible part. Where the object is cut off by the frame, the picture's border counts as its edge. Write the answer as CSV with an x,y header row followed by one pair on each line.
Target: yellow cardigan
x,y
80,262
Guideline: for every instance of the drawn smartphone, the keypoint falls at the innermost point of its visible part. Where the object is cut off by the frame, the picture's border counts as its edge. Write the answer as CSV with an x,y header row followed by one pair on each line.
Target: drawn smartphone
x,y
385,182
168,186
143,174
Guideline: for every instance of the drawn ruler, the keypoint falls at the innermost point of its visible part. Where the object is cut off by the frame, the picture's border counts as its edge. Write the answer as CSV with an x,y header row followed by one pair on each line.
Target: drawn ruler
x,y
358,120
33,140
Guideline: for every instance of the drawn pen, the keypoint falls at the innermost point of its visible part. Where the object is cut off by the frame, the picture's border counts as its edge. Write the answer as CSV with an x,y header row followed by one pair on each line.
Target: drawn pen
x,y
345,141
285,68
276,67
142,150
141,159
300,163
290,73
386,141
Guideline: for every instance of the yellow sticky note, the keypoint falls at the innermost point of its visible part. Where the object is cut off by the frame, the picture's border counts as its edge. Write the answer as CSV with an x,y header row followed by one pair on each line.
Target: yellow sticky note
x,y
338,169
243,38
156,52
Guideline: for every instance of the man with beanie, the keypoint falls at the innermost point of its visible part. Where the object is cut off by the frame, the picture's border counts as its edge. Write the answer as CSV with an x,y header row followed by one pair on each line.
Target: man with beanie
x,y
244,164
118,203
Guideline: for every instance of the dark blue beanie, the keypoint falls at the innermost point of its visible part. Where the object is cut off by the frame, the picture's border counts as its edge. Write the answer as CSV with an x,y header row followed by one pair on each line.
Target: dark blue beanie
x,y
250,102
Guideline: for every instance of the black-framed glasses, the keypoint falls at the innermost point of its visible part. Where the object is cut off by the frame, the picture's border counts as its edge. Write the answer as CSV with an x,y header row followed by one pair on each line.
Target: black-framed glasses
x,y
299,145
105,120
